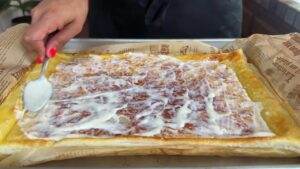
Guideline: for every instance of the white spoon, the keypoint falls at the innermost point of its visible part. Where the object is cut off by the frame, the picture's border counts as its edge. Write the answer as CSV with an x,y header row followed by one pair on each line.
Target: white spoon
x,y
37,92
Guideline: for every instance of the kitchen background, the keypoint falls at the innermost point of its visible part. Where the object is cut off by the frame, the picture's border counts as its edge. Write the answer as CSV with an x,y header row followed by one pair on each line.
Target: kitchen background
x,y
260,16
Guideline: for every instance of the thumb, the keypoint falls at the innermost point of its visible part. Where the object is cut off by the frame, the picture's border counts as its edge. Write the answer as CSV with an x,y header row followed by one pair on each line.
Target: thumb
x,y
62,37
34,36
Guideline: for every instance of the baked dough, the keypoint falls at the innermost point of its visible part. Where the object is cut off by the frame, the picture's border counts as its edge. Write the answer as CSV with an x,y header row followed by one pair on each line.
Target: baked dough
x,y
285,141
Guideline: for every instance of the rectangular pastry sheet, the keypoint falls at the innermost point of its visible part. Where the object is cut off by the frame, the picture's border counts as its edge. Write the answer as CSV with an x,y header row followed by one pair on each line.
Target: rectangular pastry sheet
x,y
273,132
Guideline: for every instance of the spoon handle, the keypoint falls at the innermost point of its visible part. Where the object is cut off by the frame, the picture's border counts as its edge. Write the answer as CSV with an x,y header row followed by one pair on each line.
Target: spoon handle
x,y
44,67
45,63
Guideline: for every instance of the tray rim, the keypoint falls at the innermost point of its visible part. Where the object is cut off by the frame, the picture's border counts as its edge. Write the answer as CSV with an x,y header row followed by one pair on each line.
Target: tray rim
x,y
75,45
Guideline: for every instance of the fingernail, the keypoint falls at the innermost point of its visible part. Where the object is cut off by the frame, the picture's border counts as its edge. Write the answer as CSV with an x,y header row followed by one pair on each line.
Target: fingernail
x,y
39,60
52,52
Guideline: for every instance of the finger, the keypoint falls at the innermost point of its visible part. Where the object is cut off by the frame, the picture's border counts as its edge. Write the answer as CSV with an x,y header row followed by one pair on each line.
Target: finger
x,y
37,46
35,16
35,34
45,25
36,13
63,36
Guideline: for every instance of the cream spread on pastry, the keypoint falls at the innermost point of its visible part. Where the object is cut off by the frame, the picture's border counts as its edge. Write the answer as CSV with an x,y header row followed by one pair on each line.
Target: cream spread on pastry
x,y
145,95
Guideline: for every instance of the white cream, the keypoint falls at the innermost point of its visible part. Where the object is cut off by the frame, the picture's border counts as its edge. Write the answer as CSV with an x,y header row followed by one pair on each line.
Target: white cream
x,y
101,107
154,125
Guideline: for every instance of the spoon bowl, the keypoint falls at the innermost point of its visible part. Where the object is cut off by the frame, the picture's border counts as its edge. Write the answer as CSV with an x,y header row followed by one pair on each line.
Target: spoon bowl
x,y
38,92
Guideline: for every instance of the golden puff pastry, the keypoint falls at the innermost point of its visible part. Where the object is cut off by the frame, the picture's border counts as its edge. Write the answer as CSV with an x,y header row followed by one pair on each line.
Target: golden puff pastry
x,y
135,103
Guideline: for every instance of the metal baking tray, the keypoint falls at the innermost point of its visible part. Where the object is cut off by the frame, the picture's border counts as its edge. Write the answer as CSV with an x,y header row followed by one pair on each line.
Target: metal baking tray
x,y
191,162
76,45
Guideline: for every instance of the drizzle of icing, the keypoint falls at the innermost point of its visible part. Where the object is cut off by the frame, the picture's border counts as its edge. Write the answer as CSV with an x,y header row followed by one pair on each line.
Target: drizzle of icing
x,y
143,95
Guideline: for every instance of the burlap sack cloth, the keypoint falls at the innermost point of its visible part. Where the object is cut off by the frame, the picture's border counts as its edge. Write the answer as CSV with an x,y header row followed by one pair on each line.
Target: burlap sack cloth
x,y
277,58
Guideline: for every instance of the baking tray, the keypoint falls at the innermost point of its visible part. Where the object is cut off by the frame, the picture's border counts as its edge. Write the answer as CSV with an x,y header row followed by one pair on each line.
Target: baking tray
x,y
76,45
192,162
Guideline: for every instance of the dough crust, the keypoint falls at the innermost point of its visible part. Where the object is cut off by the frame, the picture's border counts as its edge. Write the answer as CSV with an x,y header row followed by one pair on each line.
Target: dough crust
x,y
15,146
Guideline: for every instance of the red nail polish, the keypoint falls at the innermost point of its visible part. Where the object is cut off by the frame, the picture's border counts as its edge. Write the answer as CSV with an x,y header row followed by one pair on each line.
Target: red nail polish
x,y
39,60
52,52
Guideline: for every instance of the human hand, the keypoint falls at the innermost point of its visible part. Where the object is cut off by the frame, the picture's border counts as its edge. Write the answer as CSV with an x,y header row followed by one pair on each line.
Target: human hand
x,y
67,17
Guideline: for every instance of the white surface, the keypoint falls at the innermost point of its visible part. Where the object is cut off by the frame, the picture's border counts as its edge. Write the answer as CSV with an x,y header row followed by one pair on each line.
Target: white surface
x,y
298,1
